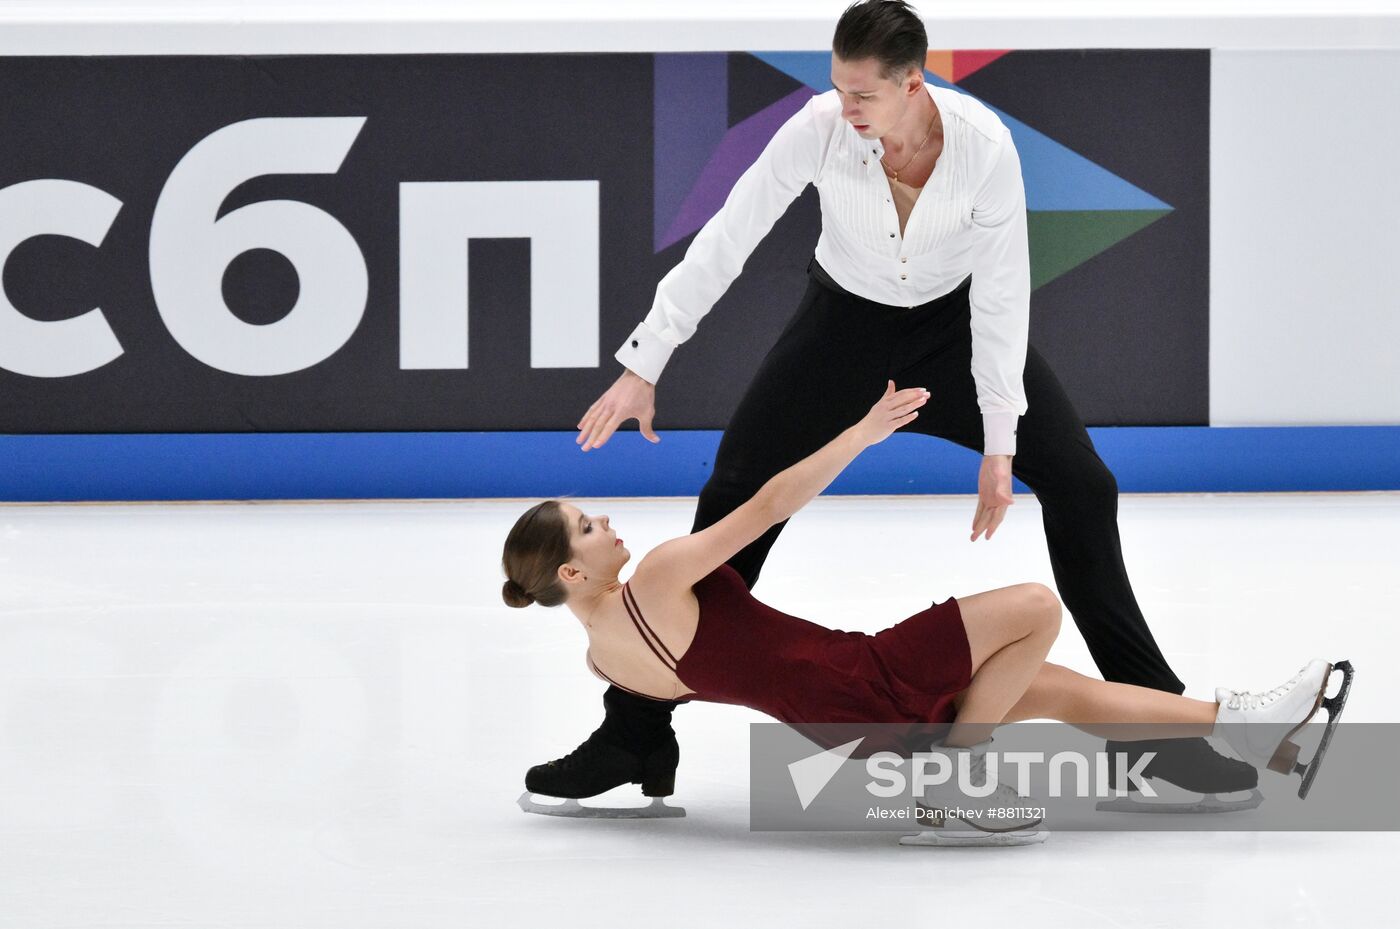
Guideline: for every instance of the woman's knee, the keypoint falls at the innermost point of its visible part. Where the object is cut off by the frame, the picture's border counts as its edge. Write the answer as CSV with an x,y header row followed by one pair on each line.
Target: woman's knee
x,y
1002,617
1042,607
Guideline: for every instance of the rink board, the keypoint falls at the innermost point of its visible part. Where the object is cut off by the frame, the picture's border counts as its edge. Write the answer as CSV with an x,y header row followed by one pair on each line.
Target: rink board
x,y
534,464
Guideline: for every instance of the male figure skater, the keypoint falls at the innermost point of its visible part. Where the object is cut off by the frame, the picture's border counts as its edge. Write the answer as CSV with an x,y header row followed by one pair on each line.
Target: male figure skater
x,y
922,276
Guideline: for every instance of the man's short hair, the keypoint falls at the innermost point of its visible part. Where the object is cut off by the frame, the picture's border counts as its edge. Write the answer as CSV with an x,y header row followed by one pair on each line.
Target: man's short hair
x,y
888,31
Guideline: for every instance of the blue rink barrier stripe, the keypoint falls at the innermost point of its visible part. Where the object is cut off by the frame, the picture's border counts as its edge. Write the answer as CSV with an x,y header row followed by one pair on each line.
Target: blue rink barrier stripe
x,y
281,466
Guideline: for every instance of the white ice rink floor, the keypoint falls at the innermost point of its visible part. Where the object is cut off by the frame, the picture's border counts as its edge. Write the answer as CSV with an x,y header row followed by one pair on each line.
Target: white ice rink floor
x,y
319,715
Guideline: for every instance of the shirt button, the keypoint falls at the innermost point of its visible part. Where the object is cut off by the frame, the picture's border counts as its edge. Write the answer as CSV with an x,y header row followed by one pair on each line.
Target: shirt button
x,y
634,343
864,162
903,259
891,235
904,277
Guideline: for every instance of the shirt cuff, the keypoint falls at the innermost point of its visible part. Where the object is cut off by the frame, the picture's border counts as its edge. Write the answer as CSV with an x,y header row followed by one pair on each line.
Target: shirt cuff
x,y
999,433
645,353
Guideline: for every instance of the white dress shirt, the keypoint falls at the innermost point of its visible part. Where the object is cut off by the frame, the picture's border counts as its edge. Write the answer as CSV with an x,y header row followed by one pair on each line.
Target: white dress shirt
x,y
969,219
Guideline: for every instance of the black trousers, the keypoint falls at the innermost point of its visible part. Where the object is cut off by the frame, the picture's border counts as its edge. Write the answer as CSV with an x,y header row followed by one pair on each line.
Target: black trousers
x,y
830,365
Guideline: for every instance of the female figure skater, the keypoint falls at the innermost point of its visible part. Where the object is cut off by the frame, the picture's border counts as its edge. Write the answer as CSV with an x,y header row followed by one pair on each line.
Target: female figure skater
x,y
685,627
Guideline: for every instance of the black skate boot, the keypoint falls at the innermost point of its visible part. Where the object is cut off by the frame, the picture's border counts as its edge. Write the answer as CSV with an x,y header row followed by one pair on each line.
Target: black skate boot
x,y
634,745
1191,764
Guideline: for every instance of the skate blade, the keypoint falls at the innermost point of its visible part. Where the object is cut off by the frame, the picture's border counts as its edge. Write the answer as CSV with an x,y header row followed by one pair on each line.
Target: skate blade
x,y
1211,803
968,838
1334,707
657,809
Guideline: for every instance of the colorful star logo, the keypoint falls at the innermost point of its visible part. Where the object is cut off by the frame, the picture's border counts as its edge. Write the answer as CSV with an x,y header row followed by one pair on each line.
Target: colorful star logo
x,y
1076,209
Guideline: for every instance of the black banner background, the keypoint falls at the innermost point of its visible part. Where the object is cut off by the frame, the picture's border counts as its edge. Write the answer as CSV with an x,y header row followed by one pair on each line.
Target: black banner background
x,y
1127,331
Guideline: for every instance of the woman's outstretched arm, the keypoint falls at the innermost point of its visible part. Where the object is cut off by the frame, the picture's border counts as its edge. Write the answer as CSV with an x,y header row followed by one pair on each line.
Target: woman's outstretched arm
x,y
688,559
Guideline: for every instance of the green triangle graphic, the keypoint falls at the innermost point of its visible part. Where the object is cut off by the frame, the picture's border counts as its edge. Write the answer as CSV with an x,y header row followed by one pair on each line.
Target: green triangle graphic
x,y
1061,240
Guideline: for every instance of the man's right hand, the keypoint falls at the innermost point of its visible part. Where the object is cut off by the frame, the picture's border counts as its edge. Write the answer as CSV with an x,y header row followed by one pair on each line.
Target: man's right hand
x,y
629,397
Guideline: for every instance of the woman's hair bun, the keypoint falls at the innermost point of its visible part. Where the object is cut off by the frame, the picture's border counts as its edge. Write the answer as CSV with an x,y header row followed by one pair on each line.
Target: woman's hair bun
x,y
536,546
515,595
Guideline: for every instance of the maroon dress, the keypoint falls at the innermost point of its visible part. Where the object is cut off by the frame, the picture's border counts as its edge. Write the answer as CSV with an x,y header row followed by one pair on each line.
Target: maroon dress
x,y
747,653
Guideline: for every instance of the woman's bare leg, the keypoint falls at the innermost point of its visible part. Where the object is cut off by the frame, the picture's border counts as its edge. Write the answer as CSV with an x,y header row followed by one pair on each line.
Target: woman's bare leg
x,y
1009,633
1058,693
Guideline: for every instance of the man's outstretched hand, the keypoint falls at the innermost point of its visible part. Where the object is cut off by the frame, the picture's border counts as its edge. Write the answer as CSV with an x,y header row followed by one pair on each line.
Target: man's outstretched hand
x,y
629,397
993,495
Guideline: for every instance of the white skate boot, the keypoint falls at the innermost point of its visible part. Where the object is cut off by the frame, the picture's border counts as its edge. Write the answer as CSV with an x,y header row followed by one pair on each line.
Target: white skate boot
x,y
1278,714
1001,818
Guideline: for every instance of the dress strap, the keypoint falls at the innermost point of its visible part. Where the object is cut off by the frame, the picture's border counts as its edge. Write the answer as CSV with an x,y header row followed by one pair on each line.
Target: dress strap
x,y
636,693
645,630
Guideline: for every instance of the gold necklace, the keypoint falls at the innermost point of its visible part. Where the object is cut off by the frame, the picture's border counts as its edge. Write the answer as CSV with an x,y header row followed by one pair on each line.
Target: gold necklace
x,y
927,136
